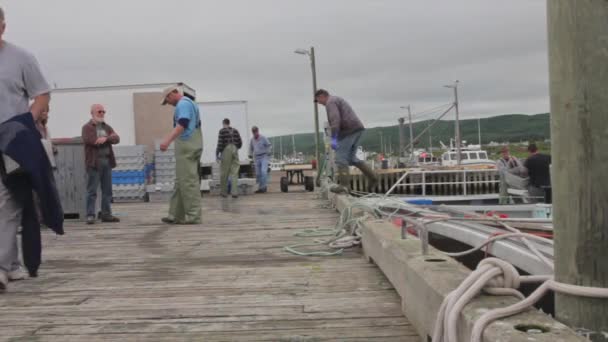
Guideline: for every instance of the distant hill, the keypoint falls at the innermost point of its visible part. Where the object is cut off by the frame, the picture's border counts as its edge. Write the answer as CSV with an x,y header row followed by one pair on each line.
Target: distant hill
x,y
504,128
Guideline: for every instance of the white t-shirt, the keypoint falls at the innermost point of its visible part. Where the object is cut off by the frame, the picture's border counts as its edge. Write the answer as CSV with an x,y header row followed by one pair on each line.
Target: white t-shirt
x,y
20,80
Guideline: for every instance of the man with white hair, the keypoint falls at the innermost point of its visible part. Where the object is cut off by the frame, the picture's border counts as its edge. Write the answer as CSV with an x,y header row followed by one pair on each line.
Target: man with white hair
x,y
185,205
98,138
21,80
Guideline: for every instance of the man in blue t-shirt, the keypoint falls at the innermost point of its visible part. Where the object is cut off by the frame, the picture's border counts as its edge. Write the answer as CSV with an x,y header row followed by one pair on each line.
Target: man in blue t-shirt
x,y
185,205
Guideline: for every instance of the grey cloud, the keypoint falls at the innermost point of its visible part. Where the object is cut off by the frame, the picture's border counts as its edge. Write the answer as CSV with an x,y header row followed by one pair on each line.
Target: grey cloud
x,y
379,55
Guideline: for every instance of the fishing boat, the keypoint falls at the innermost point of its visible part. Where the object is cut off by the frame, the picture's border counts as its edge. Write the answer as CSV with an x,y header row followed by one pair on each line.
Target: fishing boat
x,y
470,155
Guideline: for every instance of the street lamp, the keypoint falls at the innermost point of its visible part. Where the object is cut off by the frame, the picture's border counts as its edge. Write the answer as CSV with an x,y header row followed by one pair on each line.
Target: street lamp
x,y
409,113
457,126
311,53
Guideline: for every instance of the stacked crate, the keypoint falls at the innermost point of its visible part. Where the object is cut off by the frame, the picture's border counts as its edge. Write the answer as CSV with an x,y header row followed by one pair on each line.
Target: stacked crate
x,y
164,174
129,177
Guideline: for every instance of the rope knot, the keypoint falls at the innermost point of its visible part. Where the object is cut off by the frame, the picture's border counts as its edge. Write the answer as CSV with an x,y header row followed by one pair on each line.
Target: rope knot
x,y
507,279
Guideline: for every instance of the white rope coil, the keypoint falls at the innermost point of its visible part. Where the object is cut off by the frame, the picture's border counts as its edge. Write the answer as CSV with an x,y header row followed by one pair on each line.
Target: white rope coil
x,y
498,277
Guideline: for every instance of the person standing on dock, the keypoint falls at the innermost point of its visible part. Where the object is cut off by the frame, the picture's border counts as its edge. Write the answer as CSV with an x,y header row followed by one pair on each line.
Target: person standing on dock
x,y
346,131
227,152
538,166
98,138
21,80
185,207
260,150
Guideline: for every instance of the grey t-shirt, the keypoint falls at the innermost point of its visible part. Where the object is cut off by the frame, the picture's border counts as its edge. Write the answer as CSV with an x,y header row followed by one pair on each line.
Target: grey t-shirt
x,y
20,80
103,151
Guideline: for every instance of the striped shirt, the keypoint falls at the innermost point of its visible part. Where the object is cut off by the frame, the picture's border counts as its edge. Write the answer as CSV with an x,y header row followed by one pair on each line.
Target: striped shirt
x,y
226,137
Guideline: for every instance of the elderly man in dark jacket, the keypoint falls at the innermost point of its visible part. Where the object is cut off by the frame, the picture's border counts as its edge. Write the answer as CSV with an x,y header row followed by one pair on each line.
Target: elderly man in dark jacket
x,y
346,131
98,138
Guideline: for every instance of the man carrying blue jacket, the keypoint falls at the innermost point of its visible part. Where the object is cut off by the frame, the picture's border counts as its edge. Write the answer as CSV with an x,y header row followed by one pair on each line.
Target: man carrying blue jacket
x,y
21,81
346,131
185,205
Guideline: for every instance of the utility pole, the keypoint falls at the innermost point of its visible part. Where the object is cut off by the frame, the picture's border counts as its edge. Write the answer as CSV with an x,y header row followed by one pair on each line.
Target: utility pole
x,y
401,137
430,139
479,130
578,75
281,146
457,123
293,143
313,66
409,114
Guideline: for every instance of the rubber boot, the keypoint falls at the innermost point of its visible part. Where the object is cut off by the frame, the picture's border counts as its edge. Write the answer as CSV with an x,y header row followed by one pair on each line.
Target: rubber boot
x,y
372,179
343,185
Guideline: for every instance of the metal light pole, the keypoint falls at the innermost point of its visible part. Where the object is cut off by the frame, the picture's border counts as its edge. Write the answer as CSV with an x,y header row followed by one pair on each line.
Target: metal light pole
x,y
457,125
401,137
311,53
409,114
430,140
479,130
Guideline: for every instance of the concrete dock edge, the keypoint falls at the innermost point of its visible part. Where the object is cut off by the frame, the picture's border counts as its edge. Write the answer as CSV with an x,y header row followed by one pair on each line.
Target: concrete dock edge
x,y
424,281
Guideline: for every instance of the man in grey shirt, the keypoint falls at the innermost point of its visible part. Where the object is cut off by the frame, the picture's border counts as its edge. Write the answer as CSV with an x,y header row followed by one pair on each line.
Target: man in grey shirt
x,y
20,81
260,150
346,131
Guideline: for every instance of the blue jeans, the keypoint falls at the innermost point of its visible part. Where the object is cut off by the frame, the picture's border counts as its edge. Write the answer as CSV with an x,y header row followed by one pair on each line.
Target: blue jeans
x,y
101,175
346,153
261,171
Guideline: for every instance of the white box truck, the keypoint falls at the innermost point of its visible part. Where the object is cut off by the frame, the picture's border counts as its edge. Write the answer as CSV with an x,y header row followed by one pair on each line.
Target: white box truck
x,y
212,114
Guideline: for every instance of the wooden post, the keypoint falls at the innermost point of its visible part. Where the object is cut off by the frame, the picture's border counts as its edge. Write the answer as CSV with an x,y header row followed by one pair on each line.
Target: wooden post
x,y
578,59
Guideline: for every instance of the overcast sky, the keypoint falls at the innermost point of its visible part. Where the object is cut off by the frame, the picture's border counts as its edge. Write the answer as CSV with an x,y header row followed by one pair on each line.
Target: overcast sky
x,y
378,54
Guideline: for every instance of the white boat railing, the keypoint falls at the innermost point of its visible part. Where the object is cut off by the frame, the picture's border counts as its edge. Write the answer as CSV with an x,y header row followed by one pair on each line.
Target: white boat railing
x,y
464,181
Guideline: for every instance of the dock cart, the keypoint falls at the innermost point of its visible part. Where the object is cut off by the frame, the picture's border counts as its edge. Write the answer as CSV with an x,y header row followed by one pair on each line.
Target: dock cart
x,y
297,171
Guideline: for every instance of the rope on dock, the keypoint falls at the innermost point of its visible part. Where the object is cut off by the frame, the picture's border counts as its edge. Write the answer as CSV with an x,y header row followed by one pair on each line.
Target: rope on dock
x,y
498,277
345,234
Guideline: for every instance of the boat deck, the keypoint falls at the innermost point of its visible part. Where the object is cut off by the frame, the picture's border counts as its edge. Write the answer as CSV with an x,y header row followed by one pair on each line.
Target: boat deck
x,y
225,280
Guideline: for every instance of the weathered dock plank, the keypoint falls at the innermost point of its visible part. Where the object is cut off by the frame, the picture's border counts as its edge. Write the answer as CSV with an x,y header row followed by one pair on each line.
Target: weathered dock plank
x,y
227,279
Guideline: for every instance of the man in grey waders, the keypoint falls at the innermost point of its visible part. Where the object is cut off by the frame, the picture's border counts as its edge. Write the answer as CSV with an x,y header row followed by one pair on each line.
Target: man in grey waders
x,y
185,205
228,144
346,131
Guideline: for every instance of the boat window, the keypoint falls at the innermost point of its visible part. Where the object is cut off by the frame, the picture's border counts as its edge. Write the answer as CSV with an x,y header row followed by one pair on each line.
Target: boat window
x,y
446,157
483,155
464,156
453,156
473,155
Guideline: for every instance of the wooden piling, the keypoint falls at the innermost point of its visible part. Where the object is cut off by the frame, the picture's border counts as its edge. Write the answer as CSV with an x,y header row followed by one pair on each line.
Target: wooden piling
x,y
578,60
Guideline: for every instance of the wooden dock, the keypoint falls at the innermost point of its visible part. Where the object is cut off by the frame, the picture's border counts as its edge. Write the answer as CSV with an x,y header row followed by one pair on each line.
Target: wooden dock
x,y
225,280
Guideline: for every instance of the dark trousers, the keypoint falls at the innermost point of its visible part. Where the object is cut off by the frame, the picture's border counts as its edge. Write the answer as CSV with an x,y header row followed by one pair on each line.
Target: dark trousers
x,y
102,175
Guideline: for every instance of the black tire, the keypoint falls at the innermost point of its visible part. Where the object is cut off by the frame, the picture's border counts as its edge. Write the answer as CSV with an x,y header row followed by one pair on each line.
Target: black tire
x,y
284,184
309,183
